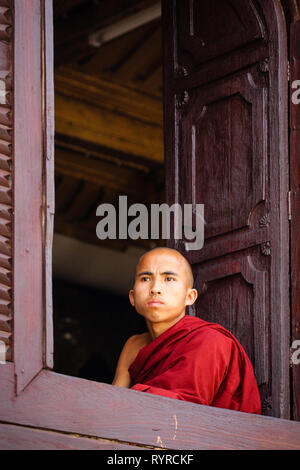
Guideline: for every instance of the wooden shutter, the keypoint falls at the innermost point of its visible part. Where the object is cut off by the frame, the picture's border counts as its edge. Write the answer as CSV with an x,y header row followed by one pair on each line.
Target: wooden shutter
x,y
5,180
226,148
33,187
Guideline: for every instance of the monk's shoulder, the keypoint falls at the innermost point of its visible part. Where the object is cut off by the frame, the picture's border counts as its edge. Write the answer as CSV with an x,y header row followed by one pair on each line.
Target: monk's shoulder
x,y
139,340
213,338
135,343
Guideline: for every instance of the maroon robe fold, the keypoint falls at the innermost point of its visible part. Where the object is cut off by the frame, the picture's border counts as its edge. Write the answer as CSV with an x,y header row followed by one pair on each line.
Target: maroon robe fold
x,y
199,362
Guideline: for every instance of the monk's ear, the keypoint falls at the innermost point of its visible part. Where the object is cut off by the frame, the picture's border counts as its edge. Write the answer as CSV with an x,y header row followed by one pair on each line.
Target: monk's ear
x,y
191,296
131,297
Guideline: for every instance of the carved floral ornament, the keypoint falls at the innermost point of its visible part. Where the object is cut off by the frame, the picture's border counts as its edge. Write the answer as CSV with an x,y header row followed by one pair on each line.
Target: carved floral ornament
x,y
181,71
264,221
182,99
264,65
265,248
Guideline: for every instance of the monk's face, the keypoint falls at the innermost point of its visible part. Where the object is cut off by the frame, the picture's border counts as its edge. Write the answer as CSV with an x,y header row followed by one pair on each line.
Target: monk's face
x,y
162,287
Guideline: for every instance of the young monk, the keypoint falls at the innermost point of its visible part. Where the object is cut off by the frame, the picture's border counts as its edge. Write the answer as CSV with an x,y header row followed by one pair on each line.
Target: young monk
x,y
180,356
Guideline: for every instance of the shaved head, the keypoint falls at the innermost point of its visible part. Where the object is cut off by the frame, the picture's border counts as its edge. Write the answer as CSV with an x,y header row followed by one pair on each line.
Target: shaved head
x,y
170,251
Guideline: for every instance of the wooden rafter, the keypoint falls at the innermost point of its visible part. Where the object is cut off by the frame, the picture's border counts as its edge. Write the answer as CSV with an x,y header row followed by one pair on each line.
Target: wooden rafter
x,y
144,55
76,204
153,83
107,58
93,17
67,53
80,232
109,95
105,154
104,174
110,116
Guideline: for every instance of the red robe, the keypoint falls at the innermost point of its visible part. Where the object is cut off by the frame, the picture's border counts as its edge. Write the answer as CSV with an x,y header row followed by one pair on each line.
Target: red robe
x,y
199,362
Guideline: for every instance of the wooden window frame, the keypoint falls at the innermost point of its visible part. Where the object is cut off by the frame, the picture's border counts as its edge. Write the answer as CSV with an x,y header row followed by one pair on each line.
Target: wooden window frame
x,y
34,397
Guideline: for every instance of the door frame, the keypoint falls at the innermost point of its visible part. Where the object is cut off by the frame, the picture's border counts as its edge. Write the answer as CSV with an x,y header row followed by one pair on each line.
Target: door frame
x,y
294,202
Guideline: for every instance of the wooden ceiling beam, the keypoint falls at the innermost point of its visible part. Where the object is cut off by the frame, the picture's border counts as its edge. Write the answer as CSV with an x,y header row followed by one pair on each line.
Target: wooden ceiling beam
x,y
154,82
109,95
107,175
106,155
118,129
85,201
84,22
73,52
148,51
107,58
79,232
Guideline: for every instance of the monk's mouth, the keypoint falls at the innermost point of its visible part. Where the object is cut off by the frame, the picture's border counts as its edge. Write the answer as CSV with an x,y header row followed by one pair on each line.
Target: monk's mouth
x,y
154,302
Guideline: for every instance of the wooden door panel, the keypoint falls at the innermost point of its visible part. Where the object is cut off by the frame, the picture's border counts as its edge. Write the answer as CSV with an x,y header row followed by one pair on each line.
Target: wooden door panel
x,y
226,148
232,292
203,33
223,128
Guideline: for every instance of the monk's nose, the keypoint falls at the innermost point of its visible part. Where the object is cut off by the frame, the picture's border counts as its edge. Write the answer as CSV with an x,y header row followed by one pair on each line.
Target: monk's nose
x,y
155,291
155,288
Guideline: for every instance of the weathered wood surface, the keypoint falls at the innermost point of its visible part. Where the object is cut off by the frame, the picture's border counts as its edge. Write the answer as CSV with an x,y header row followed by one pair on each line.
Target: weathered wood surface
x,y
28,192
107,175
133,59
109,95
14,437
115,116
57,402
102,127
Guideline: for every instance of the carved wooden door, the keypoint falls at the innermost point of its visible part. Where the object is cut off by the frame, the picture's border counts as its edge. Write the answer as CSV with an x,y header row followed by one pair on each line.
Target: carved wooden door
x,y
226,147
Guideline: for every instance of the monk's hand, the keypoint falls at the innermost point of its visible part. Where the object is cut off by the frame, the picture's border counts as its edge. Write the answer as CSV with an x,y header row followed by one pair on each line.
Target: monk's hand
x,y
128,354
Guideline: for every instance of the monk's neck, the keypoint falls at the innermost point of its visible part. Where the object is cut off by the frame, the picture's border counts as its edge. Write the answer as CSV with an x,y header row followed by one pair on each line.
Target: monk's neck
x,y
156,329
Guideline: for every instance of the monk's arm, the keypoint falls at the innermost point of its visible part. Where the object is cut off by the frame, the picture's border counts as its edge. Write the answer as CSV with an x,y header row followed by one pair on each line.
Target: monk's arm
x,y
128,354
122,377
